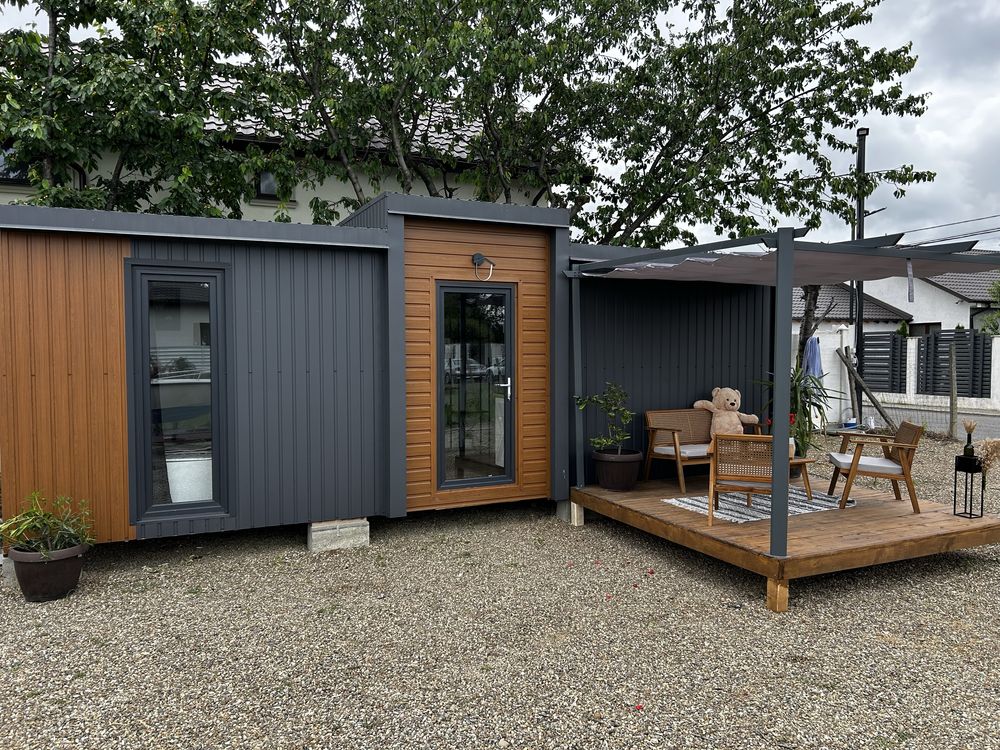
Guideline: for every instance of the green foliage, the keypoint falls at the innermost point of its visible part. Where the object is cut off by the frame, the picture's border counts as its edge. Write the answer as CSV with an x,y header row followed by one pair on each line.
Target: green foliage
x,y
807,396
48,525
613,403
641,117
903,329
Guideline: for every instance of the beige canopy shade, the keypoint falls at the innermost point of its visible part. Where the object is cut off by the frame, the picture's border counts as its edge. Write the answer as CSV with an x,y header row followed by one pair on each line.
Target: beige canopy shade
x,y
810,266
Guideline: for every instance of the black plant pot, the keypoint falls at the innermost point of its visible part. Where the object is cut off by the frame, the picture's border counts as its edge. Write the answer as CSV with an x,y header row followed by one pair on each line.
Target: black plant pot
x,y
617,471
46,577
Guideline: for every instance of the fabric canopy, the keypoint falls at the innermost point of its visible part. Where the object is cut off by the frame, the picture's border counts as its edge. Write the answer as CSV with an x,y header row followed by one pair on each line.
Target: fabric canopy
x,y
811,267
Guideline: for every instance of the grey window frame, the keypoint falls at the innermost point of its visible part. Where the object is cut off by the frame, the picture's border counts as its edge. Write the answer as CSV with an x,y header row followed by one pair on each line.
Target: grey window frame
x,y
138,272
510,416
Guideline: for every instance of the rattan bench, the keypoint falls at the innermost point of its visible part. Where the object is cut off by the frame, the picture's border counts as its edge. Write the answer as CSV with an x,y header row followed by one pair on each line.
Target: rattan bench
x,y
682,436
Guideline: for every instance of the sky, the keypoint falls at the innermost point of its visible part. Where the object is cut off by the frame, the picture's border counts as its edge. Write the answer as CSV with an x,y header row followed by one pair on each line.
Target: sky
x,y
958,137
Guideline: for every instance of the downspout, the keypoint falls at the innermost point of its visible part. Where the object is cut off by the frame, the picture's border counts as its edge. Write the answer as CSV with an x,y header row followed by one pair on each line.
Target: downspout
x,y
577,374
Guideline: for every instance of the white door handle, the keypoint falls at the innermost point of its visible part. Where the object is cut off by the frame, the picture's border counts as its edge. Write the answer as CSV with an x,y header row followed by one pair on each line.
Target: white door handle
x,y
506,385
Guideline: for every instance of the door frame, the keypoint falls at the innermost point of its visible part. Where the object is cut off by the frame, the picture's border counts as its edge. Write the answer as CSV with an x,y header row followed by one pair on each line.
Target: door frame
x,y
509,290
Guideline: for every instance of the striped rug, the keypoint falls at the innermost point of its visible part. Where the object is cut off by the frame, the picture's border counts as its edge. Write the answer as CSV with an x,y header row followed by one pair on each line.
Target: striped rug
x,y
733,506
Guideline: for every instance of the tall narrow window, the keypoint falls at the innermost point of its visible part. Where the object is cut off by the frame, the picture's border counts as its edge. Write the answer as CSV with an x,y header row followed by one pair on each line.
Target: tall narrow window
x,y
178,373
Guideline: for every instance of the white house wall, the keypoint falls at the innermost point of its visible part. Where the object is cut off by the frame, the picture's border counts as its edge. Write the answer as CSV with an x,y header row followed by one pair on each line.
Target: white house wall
x,y
298,208
835,374
931,304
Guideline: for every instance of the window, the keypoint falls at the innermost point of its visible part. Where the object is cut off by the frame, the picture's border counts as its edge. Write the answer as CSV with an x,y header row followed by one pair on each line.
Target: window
x,y
10,174
923,329
267,186
177,409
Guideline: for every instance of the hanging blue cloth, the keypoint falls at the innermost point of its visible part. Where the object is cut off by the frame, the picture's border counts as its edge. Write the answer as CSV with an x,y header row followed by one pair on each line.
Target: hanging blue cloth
x,y
813,361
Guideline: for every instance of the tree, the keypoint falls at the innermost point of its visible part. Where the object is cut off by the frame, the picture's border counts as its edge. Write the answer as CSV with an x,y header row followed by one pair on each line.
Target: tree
x,y
157,96
730,117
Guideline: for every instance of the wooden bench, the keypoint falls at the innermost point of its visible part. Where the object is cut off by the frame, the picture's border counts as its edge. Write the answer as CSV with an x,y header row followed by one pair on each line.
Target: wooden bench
x,y
682,436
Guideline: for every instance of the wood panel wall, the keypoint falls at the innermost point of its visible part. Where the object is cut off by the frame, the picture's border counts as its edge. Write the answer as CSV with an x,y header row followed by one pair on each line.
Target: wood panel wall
x,y
63,427
437,251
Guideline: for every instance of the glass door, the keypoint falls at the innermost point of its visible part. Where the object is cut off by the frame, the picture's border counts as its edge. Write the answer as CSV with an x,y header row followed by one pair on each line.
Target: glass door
x,y
475,385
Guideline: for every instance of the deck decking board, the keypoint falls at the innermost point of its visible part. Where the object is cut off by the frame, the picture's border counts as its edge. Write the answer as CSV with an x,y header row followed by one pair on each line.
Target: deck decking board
x,y
878,529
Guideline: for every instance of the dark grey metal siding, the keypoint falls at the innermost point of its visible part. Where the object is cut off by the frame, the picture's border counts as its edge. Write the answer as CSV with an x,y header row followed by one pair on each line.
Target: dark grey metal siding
x,y
373,215
307,383
669,343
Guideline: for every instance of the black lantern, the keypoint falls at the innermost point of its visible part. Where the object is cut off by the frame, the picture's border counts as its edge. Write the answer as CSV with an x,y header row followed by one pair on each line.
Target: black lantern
x,y
968,467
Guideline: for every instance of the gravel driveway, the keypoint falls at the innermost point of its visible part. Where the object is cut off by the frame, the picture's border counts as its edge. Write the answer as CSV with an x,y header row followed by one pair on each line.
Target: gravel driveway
x,y
493,628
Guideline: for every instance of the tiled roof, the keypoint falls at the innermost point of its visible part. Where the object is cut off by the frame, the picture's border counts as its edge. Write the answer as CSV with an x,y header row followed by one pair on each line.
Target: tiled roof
x,y
837,299
974,287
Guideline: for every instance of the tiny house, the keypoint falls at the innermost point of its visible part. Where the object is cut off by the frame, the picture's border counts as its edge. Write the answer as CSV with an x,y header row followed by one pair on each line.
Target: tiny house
x,y
189,375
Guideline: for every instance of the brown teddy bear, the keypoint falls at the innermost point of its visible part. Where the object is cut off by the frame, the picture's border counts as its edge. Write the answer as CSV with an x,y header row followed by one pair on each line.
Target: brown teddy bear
x,y
726,416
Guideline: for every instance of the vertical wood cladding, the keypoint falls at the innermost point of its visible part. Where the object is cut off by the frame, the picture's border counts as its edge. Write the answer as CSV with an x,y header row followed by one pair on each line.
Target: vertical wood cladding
x,y
62,373
439,251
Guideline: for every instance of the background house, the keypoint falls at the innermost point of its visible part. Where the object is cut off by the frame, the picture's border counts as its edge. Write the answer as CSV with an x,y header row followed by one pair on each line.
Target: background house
x,y
940,303
836,307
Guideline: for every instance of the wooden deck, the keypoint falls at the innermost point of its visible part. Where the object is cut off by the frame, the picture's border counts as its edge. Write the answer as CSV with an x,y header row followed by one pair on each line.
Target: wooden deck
x,y
879,529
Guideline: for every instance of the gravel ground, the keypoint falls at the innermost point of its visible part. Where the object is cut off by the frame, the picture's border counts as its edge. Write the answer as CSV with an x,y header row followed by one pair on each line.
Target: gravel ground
x,y
500,627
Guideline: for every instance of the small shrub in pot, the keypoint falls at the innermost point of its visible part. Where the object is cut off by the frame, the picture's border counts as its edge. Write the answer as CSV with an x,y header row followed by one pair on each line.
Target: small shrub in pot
x,y
47,541
617,467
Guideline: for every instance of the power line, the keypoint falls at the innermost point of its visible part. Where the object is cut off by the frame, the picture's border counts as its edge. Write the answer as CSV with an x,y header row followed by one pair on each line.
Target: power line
x,y
953,223
964,235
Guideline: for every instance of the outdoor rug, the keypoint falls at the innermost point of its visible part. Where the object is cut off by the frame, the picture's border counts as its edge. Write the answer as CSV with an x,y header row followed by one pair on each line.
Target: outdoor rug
x,y
733,505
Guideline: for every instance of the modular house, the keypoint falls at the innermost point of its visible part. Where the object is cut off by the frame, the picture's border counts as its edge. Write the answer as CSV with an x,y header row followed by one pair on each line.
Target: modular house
x,y
189,375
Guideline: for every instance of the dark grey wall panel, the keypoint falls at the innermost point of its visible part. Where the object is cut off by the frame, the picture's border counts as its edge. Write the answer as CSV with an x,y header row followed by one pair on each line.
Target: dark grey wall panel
x,y
307,380
669,343
372,215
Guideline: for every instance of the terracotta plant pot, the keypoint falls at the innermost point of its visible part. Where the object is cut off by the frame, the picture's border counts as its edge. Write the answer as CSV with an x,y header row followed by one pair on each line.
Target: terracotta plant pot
x,y
46,577
617,471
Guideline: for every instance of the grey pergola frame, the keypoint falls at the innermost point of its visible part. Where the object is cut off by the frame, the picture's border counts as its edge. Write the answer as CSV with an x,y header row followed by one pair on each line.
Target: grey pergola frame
x,y
785,242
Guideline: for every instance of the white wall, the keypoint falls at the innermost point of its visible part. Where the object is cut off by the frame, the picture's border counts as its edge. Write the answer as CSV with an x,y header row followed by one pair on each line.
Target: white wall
x,y
298,209
930,304
835,374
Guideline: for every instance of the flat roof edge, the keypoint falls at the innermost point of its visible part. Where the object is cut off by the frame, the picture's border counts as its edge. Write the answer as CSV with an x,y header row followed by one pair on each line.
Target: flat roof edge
x,y
87,221
451,208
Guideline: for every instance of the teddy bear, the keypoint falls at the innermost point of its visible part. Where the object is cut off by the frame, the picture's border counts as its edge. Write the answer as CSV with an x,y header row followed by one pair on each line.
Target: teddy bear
x,y
726,416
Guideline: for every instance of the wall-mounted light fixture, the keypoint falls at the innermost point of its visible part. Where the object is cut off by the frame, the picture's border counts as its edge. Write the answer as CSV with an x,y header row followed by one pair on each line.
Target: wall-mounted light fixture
x,y
478,260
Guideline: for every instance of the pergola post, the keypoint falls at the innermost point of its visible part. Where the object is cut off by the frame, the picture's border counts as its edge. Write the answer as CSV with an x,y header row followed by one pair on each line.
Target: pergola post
x,y
577,378
781,398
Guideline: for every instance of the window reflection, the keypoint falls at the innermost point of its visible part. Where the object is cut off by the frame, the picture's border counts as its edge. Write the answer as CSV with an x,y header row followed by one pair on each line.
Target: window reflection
x,y
180,378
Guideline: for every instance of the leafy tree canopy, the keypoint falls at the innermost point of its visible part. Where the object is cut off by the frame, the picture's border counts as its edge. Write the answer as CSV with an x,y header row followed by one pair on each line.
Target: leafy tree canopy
x,y
728,117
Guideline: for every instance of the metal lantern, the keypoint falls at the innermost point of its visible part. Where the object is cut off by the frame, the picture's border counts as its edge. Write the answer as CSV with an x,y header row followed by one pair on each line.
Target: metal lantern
x,y
968,467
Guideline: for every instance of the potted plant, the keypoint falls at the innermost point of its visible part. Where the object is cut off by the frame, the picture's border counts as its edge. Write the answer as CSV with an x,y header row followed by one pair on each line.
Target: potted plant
x,y
47,541
807,396
617,467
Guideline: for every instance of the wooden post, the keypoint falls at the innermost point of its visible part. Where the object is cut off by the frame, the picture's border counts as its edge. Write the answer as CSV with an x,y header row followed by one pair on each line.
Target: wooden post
x,y
868,392
953,395
777,594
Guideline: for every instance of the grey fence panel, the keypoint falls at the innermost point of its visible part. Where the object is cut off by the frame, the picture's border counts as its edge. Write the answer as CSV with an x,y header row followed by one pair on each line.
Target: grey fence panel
x,y
973,356
884,368
307,387
669,343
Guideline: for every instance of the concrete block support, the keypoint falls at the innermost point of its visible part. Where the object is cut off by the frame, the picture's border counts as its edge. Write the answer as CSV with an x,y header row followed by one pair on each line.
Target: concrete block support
x,y
570,512
325,536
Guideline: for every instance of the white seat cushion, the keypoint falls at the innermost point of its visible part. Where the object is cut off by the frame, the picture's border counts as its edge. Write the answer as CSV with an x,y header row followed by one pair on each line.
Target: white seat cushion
x,y
877,464
691,450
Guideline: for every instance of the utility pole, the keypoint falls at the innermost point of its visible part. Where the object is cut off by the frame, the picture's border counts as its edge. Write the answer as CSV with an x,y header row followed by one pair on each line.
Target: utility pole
x,y
859,234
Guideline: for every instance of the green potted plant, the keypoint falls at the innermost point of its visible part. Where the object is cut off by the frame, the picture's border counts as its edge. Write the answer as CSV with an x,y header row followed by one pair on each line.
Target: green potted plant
x,y
617,467
47,541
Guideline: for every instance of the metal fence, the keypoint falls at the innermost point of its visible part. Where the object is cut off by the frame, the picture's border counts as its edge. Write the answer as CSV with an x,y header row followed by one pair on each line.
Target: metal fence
x,y
884,362
973,354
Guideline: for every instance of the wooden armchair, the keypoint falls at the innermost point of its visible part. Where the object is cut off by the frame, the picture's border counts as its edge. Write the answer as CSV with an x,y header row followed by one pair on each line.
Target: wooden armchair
x,y
894,464
742,463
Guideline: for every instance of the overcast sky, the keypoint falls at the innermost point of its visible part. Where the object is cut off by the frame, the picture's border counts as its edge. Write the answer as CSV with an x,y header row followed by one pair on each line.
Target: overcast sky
x,y
959,138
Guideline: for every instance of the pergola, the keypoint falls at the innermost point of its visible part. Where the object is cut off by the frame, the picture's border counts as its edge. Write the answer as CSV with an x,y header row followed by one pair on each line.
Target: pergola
x,y
784,262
